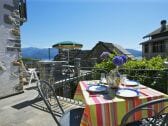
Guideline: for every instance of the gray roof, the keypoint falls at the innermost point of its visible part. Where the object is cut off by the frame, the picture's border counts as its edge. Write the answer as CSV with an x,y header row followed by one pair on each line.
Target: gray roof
x,y
157,31
124,51
110,47
154,40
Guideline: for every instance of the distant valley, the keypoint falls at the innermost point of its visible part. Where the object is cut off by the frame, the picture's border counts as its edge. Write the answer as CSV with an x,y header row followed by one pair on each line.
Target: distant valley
x,y
43,53
134,52
39,53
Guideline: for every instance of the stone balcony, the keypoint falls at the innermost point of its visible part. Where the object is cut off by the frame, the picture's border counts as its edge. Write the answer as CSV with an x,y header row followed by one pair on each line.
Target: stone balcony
x,y
25,109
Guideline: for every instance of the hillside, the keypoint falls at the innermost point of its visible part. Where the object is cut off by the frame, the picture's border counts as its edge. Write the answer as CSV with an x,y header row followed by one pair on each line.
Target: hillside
x,y
38,53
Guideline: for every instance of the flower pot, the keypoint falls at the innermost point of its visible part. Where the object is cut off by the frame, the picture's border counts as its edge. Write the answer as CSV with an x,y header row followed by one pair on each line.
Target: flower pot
x,y
113,79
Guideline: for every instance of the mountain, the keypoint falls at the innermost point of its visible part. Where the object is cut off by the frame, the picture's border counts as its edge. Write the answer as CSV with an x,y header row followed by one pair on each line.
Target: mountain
x,y
39,53
134,52
42,53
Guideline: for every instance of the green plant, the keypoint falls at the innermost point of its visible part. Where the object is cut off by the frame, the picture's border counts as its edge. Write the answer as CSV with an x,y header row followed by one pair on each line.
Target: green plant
x,y
107,63
29,60
151,72
156,63
1,68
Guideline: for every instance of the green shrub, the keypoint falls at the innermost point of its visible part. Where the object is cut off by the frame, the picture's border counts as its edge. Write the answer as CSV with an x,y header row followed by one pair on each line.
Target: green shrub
x,y
107,64
29,60
156,63
1,68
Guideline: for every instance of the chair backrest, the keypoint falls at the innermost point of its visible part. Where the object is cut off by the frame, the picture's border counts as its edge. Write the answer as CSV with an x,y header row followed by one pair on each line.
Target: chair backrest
x,y
50,97
147,106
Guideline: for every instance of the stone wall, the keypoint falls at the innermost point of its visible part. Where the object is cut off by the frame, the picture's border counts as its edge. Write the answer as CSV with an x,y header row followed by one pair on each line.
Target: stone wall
x,y
9,47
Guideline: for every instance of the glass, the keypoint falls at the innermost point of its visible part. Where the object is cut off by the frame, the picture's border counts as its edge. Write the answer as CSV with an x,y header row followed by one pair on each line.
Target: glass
x,y
113,79
123,79
110,80
103,78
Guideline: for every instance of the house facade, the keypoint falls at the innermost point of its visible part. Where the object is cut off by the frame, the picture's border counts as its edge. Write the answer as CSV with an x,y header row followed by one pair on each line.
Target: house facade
x,y
157,43
12,16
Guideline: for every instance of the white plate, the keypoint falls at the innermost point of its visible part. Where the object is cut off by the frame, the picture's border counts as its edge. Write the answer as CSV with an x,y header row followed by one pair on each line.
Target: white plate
x,y
128,93
97,88
130,83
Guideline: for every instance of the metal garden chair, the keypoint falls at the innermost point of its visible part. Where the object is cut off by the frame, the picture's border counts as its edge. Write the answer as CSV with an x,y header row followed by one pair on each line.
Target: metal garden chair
x,y
159,119
70,116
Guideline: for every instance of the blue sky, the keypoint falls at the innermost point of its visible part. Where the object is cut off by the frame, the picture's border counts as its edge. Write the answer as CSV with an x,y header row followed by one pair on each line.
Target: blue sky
x,y
124,22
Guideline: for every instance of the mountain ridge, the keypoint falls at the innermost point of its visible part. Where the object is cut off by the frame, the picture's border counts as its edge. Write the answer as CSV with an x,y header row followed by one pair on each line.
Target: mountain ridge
x,y
134,52
43,53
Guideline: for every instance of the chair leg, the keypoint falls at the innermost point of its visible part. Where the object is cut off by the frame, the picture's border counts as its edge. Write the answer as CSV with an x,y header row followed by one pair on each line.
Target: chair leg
x,y
31,77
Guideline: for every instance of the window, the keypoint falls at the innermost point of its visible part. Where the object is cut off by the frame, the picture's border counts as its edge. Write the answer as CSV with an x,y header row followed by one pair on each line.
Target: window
x,y
146,48
158,47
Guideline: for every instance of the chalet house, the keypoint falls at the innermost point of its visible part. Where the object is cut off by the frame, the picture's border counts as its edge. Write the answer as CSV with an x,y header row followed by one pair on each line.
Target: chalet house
x,y
157,43
100,47
12,16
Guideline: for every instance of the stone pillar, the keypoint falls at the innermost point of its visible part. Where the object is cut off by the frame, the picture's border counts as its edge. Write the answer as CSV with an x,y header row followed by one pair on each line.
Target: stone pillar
x,y
10,47
77,65
150,53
